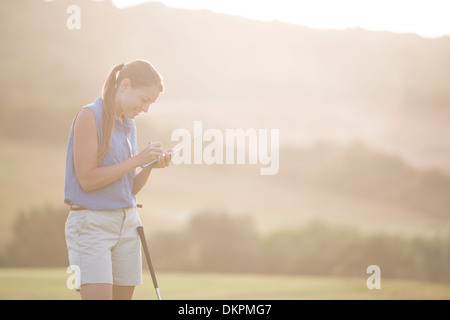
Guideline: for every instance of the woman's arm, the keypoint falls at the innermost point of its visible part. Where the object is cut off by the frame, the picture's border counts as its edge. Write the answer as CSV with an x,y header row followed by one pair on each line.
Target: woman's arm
x,y
85,148
141,178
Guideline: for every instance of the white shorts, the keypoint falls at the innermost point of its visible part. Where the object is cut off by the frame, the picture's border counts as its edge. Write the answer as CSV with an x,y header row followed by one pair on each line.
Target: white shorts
x,y
104,247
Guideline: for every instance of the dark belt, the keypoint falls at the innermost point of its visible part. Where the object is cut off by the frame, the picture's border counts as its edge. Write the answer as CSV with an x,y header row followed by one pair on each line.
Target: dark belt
x,y
80,208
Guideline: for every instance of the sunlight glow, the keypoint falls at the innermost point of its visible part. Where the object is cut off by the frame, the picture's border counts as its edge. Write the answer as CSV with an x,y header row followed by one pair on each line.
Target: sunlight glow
x,y
428,18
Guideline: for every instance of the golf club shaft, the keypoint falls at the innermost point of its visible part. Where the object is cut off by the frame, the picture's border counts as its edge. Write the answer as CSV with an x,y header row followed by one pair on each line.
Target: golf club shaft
x,y
140,231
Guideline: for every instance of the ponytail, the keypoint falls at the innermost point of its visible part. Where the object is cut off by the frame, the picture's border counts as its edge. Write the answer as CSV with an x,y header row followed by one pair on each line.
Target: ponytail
x,y
109,90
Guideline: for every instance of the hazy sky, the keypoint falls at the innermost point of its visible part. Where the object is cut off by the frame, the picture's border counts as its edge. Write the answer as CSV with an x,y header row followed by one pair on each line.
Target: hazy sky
x,y
428,18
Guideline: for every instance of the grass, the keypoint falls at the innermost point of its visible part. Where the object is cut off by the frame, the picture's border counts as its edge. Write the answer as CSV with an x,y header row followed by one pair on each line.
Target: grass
x,y
50,284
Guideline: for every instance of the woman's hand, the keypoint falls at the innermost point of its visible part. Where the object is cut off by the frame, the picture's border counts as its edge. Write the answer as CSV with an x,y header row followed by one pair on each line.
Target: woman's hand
x,y
151,152
164,159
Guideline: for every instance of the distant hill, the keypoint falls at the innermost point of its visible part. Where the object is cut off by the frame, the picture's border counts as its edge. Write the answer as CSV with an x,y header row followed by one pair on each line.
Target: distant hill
x,y
390,90
357,171
363,116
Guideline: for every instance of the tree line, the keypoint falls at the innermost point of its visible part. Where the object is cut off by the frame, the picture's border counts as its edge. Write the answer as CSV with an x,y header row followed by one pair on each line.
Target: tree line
x,y
221,242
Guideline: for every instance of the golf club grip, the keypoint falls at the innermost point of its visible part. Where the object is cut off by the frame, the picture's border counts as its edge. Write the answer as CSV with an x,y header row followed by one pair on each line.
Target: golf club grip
x,y
140,231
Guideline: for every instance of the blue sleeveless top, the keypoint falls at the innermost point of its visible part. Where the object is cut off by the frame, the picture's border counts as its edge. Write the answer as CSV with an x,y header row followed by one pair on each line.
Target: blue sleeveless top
x,y
118,194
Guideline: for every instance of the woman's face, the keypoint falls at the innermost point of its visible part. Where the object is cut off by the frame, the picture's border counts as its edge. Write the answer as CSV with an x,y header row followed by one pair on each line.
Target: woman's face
x,y
132,101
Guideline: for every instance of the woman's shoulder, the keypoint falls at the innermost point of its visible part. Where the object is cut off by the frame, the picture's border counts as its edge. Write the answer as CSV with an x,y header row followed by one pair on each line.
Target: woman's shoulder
x,y
85,116
92,111
85,124
96,106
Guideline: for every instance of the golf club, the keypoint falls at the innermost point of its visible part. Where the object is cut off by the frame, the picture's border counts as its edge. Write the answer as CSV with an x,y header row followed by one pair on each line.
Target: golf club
x,y
140,231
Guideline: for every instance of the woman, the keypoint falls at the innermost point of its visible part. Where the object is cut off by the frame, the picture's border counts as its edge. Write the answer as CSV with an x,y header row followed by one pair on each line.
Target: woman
x,y
101,183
